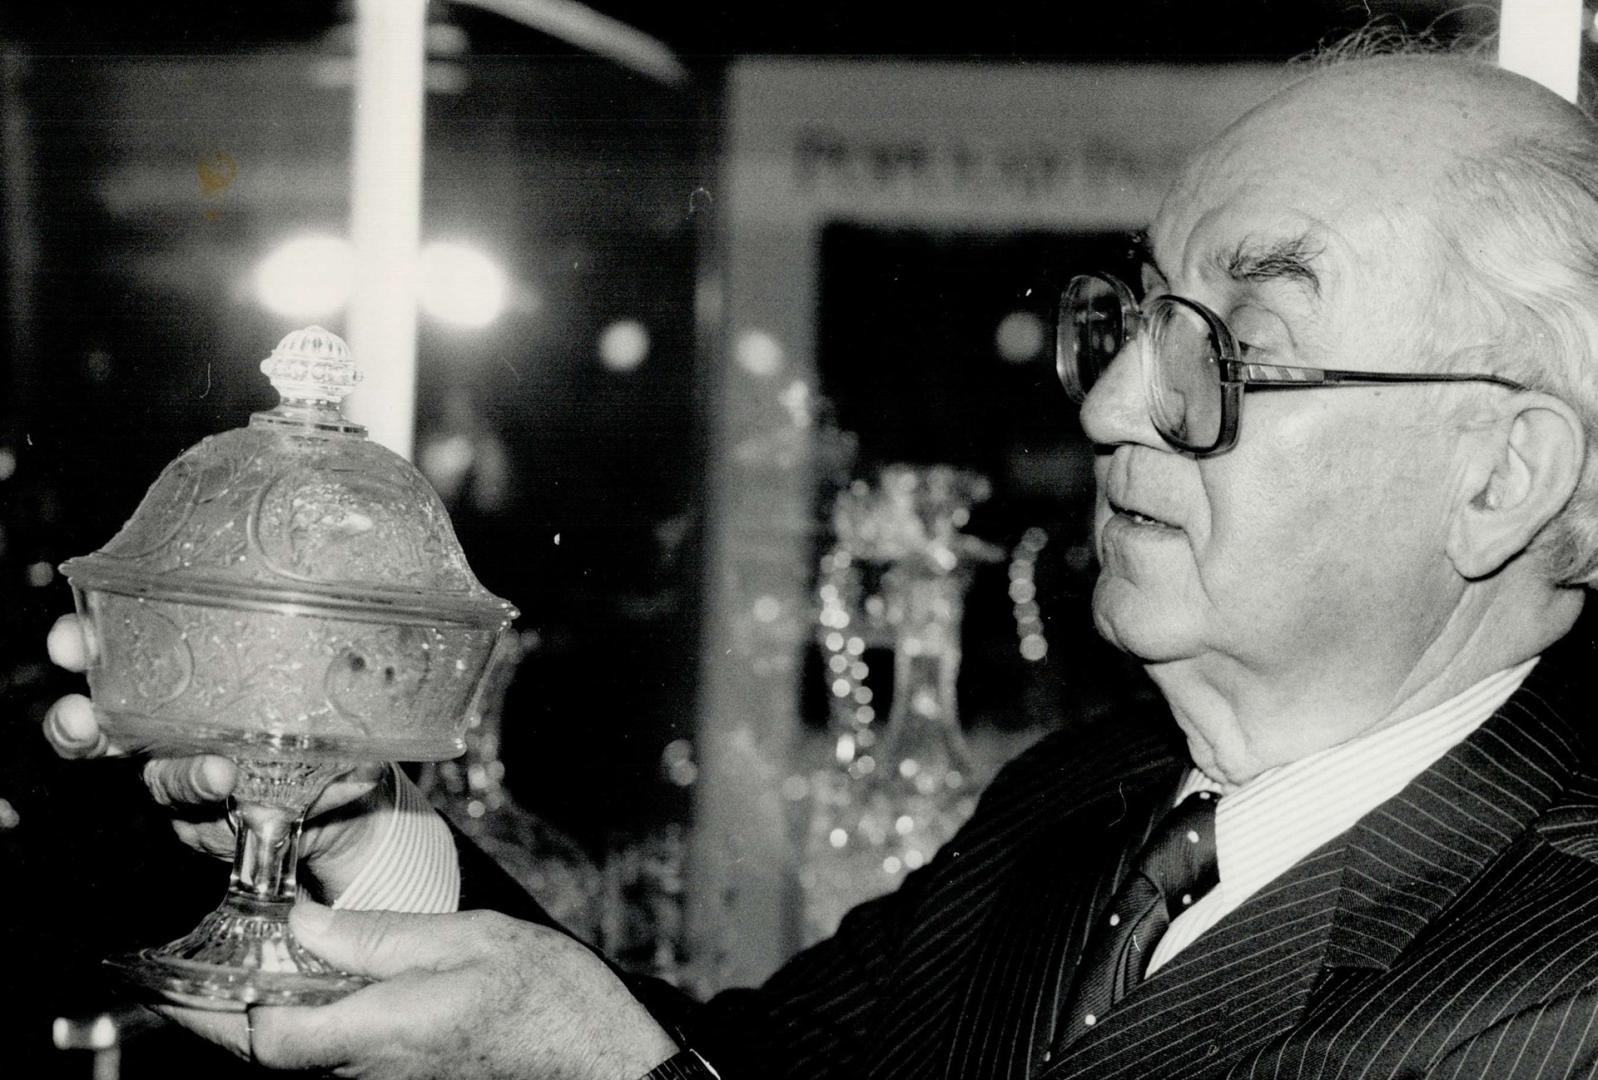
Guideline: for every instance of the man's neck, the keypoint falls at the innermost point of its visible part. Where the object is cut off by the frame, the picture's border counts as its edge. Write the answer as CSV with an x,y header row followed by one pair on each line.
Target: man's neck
x,y
1232,712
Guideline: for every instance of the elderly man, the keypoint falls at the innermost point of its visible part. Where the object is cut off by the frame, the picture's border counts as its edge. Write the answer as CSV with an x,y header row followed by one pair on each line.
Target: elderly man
x,y
1345,517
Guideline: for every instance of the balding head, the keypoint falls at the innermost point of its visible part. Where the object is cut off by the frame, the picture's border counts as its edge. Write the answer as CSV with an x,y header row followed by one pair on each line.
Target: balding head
x,y
1425,103
1515,222
1473,193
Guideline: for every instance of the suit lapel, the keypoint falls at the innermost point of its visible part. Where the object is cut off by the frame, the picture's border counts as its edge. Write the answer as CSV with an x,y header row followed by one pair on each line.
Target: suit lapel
x,y
1030,947
1356,902
1232,989
1412,856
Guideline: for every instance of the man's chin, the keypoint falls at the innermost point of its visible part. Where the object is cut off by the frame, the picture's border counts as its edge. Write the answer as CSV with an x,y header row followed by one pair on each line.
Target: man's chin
x,y
1142,626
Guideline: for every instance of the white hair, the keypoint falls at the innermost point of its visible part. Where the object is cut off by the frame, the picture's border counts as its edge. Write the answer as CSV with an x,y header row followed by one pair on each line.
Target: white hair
x,y
1518,252
1519,231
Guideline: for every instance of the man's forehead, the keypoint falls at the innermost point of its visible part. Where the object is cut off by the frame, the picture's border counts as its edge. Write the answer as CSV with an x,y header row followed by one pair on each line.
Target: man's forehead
x,y
1353,161
1327,150
1255,238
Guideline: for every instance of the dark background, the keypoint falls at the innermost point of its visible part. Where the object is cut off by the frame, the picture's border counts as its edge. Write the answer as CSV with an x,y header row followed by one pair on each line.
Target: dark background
x,y
125,340
705,34
930,385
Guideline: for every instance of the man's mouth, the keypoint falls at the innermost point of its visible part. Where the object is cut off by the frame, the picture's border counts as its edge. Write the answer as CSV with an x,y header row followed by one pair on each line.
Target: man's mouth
x,y
1136,517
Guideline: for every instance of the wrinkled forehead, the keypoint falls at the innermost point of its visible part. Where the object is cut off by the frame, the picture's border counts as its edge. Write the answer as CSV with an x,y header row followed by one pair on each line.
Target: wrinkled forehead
x,y
1323,189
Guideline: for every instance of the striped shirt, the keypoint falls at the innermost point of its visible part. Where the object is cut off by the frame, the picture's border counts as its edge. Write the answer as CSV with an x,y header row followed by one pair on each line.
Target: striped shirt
x,y
413,867
1265,826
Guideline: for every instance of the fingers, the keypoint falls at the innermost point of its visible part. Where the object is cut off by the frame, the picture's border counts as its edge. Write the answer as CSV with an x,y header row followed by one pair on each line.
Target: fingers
x,y
194,787
226,1029
186,781
70,725
213,836
298,1037
382,944
356,784
343,824
71,728
71,643
278,1038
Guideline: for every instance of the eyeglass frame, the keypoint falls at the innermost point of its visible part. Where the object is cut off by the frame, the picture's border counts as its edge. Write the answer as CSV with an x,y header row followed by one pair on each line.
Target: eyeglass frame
x,y
1236,375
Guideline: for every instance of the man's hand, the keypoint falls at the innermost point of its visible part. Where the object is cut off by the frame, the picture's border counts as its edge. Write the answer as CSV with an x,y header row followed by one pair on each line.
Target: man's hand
x,y
473,995
338,825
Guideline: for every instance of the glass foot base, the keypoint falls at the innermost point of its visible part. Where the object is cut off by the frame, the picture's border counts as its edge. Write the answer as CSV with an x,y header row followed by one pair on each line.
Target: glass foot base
x,y
241,954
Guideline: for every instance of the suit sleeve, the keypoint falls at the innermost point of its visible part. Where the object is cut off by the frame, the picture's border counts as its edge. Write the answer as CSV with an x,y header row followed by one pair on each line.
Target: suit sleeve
x,y
814,1016
818,1016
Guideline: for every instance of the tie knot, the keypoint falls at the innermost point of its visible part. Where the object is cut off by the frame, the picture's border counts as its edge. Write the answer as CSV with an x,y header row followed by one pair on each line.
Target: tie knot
x,y
1179,858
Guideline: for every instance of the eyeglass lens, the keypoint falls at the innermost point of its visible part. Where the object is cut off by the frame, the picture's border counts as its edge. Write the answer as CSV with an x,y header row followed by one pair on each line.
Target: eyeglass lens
x,y
1183,374
1092,331
1180,355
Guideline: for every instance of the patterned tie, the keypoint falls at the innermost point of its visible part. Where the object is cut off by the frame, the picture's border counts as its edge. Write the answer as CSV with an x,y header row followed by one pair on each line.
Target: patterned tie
x,y
1174,869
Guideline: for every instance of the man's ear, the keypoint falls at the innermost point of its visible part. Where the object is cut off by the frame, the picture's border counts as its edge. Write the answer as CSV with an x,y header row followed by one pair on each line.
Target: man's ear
x,y
1530,466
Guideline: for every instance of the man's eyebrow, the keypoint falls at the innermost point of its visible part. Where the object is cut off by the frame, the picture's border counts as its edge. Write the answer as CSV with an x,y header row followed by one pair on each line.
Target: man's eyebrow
x,y
1290,259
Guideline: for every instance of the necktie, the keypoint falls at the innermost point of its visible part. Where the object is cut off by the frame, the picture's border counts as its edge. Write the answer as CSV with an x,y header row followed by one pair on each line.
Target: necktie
x,y
1174,869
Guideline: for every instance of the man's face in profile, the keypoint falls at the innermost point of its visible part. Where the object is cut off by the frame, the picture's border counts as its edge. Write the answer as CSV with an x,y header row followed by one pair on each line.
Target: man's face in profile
x,y
1304,228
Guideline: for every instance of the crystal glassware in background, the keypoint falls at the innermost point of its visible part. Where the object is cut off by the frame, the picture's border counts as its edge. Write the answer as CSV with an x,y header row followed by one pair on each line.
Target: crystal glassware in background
x,y
292,596
898,786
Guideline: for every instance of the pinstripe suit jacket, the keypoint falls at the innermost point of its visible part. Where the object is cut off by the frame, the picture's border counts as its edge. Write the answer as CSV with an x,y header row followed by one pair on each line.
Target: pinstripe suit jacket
x,y
1453,932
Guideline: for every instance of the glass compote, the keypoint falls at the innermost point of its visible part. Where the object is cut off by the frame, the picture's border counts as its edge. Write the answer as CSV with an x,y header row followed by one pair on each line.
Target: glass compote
x,y
292,596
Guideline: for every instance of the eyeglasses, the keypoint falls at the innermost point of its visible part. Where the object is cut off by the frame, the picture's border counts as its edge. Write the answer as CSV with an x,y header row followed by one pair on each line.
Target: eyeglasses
x,y
1193,376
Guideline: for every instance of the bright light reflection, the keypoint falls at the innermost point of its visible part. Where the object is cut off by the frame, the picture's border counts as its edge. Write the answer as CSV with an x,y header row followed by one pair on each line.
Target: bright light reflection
x,y
314,275
758,353
307,276
623,345
1019,336
461,285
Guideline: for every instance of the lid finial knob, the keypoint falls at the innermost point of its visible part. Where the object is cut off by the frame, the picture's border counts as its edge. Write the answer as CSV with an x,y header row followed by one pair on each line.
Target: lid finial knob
x,y
312,366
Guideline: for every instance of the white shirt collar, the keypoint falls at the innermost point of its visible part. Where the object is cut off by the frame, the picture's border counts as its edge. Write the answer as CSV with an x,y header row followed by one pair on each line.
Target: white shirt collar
x,y
1284,813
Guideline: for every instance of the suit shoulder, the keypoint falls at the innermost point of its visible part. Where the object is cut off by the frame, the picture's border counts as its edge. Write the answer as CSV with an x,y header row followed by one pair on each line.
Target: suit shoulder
x,y
1113,751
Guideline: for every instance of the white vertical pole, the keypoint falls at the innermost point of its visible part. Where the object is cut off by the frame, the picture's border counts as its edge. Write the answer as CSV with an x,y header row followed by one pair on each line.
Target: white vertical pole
x,y
1541,39
385,215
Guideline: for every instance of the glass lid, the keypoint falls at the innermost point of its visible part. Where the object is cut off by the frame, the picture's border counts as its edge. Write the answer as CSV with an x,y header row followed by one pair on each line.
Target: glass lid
x,y
296,509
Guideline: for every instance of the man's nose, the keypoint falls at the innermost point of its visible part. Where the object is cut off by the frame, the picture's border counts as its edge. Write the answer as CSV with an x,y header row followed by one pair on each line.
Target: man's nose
x,y
1116,410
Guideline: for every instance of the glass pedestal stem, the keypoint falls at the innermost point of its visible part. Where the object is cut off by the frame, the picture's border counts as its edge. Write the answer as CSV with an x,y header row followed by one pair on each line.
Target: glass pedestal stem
x,y
266,857
243,953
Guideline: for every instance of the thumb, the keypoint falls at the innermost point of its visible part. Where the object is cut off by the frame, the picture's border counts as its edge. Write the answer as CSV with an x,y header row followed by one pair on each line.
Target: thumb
x,y
380,944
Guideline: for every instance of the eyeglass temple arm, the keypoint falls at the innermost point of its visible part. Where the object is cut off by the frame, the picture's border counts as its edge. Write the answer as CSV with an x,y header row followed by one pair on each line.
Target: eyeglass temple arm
x,y
1283,375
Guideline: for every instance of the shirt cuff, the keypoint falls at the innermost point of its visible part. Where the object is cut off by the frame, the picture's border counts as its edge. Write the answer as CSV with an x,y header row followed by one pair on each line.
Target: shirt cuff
x,y
413,867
